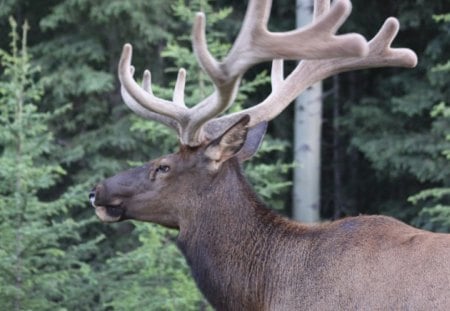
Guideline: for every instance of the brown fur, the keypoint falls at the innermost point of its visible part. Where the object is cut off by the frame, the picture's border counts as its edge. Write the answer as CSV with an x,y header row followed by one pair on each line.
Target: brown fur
x,y
243,256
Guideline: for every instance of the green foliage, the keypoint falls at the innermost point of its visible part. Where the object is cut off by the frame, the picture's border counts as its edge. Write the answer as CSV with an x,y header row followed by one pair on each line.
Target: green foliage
x,y
411,149
151,277
270,180
435,202
80,71
41,249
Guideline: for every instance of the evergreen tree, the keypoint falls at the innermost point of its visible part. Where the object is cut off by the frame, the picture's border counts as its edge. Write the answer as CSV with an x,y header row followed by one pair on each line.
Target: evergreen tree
x,y
434,202
41,252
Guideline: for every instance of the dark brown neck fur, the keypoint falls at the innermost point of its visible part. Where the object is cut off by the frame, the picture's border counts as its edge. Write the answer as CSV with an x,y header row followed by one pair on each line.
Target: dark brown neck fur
x,y
229,245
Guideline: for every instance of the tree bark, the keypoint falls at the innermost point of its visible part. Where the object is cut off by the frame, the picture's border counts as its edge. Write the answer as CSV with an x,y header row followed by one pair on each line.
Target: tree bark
x,y
307,137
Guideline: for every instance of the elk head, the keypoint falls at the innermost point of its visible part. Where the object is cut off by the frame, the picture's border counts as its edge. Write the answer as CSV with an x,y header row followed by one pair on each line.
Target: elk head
x,y
165,189
162,190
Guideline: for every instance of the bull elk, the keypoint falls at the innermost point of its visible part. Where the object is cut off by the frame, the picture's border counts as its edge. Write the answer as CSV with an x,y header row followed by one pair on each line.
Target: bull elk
x,y
242,255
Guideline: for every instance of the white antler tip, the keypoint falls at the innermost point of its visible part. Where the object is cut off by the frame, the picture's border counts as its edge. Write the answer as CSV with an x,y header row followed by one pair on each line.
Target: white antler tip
x,y
125,62
147,81
387,33
147,77
127,48
125,58
346,4
199,20
336,16
410,58
198,27
200,15
178,94
392,25
343,6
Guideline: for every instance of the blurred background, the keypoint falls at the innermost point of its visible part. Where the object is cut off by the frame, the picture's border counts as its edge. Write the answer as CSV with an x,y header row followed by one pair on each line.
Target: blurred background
x,y
385,143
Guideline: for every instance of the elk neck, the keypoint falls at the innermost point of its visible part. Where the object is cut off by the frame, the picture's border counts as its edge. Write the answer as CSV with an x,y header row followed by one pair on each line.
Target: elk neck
x,y
231,241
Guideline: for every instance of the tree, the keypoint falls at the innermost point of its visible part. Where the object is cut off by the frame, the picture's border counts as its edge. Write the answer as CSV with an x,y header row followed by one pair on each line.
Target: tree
x,y
41,252
307,139
434,202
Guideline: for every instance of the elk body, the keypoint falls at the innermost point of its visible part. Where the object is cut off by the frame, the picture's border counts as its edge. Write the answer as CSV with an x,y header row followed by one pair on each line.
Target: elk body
x,y
242,255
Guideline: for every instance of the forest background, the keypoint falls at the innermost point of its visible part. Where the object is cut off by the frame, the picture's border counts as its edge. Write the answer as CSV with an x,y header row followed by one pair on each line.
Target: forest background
x,y
63,127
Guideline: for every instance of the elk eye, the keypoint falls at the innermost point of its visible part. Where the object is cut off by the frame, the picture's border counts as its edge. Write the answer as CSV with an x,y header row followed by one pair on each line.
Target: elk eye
x,y
163,168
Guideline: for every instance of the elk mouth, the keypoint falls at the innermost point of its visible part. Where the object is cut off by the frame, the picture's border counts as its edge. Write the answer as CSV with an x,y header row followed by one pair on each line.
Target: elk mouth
x,y
108,213
114,210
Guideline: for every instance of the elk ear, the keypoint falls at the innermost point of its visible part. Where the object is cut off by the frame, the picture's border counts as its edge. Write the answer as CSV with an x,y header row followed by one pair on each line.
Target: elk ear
x,y
254,140
229,143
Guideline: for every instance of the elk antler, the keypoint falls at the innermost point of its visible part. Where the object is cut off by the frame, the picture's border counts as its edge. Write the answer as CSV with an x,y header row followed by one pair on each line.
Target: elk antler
x,y
323,54
309,72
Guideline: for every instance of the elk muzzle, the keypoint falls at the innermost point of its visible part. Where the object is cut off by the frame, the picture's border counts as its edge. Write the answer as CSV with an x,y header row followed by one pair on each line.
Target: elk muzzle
x,y
106,210
112,197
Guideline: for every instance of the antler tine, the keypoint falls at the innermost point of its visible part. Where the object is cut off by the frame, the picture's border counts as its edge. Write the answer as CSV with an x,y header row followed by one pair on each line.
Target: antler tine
x,y
142,111
381,47
324,54
308,72
145,99
146,81
256,44
200,47
178,93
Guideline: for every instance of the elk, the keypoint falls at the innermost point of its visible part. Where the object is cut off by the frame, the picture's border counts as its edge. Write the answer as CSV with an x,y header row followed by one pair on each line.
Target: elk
x,y
242,255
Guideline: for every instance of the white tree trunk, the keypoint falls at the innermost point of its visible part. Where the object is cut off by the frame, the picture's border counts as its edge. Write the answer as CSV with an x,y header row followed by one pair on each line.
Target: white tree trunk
x,y
307,137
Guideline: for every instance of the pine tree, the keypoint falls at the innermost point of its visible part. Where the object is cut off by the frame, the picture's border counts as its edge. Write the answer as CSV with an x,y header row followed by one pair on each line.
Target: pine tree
x,y
435,202
41,252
